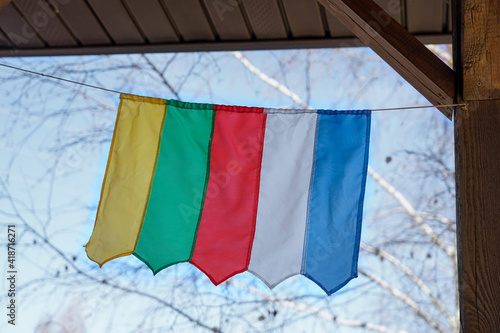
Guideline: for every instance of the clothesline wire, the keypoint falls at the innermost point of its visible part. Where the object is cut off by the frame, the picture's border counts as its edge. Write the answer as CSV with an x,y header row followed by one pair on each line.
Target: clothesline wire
x,y
119,92
60,78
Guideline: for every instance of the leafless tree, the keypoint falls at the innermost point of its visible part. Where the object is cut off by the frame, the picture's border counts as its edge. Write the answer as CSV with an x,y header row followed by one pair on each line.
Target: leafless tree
x,y
55,137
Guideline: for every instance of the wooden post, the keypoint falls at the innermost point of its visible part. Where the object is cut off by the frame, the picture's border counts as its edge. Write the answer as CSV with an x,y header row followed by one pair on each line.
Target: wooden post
x,y
477,150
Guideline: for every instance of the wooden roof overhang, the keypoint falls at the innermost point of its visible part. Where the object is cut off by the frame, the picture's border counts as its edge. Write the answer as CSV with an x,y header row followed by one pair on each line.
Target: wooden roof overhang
x,y
66,27
63,27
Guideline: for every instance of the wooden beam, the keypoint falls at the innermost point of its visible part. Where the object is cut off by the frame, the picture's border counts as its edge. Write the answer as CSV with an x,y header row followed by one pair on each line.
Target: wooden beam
x,y
4,3
400,49
477,149
277,44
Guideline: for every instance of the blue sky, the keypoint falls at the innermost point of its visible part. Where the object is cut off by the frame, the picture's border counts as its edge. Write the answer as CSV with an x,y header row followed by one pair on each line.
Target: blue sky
x,y
55,138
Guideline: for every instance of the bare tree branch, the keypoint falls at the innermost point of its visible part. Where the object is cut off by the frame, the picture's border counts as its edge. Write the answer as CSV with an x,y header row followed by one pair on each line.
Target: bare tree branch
x,y
416,217
312,310
272,82
162,76
421,284
437,217
405,298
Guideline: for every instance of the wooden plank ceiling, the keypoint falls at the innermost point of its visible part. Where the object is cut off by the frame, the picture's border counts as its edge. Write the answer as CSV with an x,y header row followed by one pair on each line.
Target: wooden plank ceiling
x,y
64,27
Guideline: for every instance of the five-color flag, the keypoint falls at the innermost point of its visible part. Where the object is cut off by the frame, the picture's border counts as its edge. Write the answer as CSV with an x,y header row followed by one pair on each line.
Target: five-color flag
x,y
229,189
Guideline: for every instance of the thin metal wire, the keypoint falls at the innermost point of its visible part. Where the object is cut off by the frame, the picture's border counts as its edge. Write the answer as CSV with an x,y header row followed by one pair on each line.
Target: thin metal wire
x,y
59,78
119,92
420,107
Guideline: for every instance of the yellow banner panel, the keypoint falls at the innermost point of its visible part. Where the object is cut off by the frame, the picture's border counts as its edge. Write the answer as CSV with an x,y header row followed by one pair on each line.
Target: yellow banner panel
x,y
128,179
